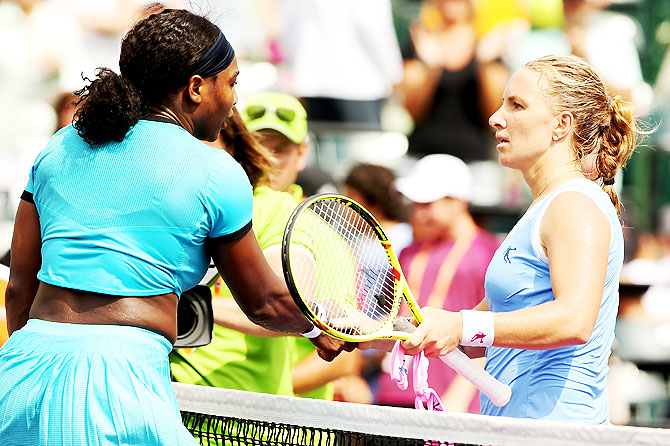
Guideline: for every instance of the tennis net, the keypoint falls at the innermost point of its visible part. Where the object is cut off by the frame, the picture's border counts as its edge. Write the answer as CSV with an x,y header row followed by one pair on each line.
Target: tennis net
x,y
232,417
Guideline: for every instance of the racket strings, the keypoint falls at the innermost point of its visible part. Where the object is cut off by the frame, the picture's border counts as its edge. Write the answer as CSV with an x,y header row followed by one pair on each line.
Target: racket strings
x,y
354,286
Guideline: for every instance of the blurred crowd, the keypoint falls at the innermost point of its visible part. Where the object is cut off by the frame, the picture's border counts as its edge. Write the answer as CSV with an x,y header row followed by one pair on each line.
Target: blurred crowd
x,y
425,74
385,84
430,72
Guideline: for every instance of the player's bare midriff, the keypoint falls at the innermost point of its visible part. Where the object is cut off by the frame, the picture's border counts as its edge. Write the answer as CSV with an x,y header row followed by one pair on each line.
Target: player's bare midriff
x,y
154,313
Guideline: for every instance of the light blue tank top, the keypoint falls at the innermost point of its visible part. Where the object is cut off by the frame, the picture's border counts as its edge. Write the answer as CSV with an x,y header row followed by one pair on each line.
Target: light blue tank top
x,y
565,384
130,218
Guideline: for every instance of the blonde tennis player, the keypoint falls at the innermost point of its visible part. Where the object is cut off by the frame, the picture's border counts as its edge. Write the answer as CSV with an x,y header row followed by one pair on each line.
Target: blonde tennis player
x,y
552,287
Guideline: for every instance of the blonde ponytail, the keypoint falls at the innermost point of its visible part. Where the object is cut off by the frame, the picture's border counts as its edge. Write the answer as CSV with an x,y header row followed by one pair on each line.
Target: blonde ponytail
x,y
617,144
604,127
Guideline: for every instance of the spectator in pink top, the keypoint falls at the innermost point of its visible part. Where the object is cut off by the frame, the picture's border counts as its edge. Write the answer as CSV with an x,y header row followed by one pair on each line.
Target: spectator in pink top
x,y
444,265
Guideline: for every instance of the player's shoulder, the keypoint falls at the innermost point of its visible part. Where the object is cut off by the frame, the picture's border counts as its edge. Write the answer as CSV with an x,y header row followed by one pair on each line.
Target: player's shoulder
x,y
583,204
64,142
576,212
222,167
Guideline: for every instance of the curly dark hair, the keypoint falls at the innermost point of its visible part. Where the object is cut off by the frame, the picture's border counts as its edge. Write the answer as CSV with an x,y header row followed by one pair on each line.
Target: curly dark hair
x,y
156,59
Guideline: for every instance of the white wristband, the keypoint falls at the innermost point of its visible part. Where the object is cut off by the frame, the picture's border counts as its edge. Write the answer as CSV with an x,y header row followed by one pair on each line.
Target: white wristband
x,y
315,331
478,330
312,333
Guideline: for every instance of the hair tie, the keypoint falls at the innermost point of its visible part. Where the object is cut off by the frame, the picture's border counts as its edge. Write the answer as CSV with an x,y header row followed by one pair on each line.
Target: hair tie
x,y
608,181
609,101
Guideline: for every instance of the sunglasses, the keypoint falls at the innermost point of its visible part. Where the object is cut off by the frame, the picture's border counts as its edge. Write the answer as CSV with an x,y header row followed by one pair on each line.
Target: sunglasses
x,y
258,111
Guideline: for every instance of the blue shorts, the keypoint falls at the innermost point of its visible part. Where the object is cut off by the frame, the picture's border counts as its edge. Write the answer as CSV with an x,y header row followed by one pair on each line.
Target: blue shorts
x,y
73,384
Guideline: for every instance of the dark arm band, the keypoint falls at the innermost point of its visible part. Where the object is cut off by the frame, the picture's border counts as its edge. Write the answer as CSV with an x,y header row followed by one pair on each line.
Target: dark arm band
x,y
232,236
27,196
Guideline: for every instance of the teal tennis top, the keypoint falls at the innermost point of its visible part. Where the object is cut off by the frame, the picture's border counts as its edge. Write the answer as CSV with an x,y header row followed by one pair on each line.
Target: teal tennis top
x,y
563,384
131,218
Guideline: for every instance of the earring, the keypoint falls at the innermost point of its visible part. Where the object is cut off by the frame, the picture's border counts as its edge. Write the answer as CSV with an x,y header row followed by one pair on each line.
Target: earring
x,y
555,138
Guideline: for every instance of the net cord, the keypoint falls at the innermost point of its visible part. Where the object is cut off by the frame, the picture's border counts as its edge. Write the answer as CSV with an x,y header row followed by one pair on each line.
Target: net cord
x,y
409,423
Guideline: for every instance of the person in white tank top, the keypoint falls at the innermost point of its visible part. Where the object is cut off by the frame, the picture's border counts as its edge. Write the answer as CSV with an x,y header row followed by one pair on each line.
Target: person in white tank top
x,y
552,287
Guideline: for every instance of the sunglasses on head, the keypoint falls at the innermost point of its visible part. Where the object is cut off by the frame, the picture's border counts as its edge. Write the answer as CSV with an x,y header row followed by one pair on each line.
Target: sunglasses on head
x,y
258,111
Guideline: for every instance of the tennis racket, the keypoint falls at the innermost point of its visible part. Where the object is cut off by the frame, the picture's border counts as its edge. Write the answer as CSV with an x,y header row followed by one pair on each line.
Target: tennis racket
x,y
343,275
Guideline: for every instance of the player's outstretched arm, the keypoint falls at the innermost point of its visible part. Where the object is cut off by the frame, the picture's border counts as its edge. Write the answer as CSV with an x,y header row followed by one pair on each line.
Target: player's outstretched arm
x,y
261,294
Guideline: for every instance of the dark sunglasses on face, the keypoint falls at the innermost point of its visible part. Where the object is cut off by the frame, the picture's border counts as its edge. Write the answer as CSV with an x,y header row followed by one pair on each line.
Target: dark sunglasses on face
x,y
258,111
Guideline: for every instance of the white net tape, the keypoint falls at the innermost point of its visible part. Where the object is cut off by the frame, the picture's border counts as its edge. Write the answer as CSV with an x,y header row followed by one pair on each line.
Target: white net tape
x,y
409,423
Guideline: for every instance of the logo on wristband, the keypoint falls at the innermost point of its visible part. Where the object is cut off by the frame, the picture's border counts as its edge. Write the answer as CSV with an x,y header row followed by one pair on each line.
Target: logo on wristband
x,y
478,337
477,329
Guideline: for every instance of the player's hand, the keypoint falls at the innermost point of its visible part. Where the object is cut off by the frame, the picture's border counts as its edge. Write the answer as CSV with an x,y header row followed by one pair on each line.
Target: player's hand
x,y
328,347
401,323
353,320
437,335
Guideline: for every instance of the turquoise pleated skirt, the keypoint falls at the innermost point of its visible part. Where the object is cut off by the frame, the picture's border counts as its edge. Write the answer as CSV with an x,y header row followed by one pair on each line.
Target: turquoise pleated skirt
x,y
98,385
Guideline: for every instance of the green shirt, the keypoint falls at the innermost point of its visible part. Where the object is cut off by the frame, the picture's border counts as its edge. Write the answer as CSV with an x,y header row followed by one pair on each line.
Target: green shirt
x,y
303,348
235,360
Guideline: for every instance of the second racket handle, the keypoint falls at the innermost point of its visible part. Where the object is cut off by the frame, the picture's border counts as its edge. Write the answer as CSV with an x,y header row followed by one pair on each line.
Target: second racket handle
x,y
498,393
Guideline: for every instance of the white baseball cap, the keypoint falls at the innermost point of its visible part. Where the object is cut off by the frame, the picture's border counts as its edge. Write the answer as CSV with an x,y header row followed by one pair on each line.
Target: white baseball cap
x,y
434,177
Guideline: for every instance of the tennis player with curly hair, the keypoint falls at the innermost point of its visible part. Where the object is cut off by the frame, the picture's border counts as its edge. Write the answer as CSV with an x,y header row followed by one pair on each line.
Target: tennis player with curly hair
x,y
121,214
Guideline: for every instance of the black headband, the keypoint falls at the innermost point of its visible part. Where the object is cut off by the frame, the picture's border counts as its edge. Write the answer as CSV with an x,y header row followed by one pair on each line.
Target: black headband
x,y
216,59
